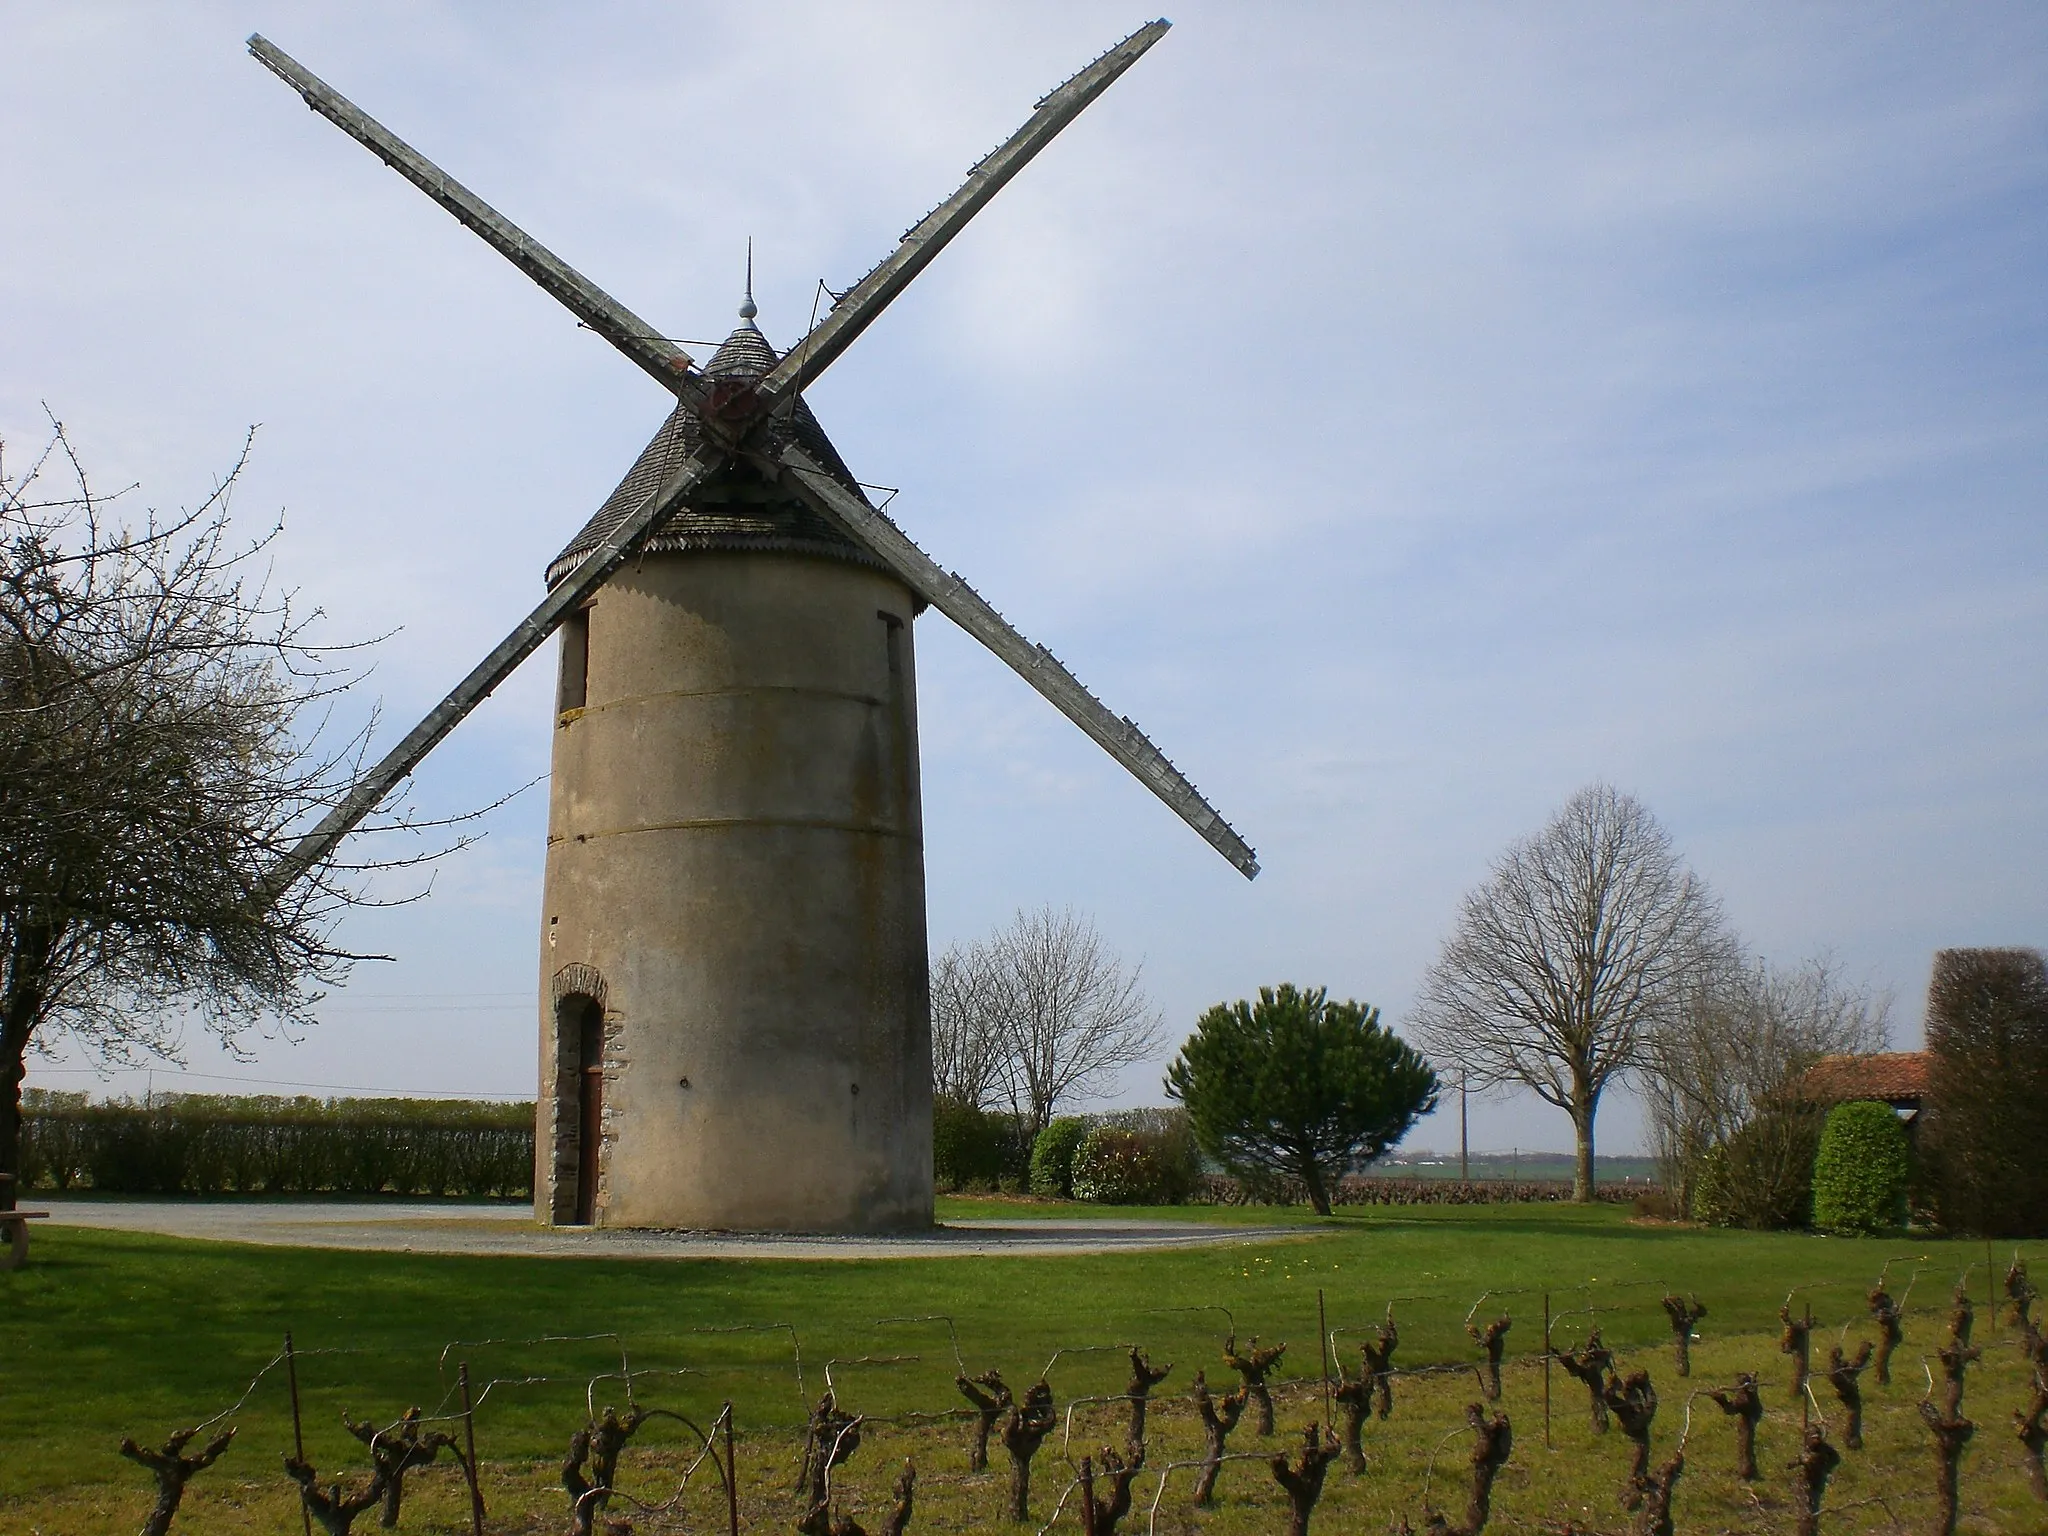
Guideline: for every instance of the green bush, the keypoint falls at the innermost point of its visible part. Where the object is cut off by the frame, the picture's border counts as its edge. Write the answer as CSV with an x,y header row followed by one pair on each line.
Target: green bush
x,y
1861,1171
1142,1158
1762,1176
1052,1158
966,1145
978,1149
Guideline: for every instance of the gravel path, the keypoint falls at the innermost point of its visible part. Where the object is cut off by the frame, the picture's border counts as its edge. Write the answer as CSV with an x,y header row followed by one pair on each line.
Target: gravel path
x,y
497,1229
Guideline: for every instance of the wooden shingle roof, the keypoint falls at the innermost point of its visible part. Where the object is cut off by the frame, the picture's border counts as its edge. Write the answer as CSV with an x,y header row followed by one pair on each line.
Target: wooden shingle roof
x,y
736,508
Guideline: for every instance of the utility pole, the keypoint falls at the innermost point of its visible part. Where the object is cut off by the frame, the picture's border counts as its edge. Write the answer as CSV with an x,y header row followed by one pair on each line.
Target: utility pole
x,y
1464,1135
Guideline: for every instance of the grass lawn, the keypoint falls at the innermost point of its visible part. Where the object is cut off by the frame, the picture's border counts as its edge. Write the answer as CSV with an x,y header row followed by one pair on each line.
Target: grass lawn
x,y
109,1334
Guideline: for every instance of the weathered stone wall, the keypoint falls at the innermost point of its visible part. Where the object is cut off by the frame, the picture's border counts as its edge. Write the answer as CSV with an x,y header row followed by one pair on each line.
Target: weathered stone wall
x,y
736,849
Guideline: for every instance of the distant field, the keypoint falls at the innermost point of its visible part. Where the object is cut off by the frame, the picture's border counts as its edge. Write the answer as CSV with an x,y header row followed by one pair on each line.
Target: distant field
x,y
111,1334
1514,1165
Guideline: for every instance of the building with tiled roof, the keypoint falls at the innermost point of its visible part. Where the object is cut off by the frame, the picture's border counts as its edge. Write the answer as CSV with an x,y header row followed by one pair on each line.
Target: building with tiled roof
x,y
1897,1078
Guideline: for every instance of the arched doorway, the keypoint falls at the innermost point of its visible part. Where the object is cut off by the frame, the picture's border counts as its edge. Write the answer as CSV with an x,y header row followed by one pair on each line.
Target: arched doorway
x,y
581,1022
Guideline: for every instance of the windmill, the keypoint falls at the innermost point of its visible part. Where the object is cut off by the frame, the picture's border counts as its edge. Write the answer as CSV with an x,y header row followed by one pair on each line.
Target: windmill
x,y
735,1020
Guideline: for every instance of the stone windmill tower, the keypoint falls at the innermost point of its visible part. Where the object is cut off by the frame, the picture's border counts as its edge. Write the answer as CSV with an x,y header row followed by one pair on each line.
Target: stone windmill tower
x,y
735,1023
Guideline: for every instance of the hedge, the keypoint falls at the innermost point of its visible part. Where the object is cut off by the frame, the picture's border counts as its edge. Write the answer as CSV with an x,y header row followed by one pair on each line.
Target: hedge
x,y
196,1144
1052,1157
978,1149
1861,1171
1222,1189
1115,1165
1761,1178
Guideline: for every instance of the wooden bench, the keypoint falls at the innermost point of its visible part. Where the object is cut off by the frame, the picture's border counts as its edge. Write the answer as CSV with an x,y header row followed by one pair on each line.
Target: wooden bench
x,y
14,1228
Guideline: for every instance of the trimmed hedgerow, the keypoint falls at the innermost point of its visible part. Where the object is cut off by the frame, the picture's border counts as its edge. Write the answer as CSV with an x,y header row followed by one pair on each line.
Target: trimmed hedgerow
x,y
197,1144
1862,1169
1052,1157
975,1148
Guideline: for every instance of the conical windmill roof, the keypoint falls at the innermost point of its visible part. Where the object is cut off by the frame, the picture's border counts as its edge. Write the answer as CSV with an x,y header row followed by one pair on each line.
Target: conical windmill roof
x,y
736,508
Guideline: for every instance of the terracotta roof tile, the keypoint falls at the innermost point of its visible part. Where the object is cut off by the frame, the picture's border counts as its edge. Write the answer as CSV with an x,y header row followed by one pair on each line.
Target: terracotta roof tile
x,y
1890,1076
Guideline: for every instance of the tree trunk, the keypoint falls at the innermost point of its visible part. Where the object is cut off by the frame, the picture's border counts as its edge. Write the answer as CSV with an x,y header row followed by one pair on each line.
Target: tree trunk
x,y
1582,1127
11,1074
18,1010
1318,1196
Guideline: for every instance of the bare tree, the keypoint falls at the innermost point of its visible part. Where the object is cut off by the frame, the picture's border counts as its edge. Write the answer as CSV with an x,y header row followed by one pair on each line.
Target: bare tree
x,y
1057,1011
1570,959
1739,1044
160,746
967,1037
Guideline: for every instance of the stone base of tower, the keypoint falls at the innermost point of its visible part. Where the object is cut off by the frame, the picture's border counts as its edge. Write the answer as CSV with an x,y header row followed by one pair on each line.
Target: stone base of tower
x,y
736,1027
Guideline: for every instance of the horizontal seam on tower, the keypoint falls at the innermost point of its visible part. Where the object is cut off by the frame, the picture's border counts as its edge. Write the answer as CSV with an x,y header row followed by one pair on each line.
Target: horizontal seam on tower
x,y
717,823
731,693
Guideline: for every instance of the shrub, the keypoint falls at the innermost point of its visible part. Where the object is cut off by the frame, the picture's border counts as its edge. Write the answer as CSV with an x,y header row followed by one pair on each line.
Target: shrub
x,y
1119,1167
1052,1158
967,1150
1655,1205
1987,1105
1762,1176
1170,1137
1861,1171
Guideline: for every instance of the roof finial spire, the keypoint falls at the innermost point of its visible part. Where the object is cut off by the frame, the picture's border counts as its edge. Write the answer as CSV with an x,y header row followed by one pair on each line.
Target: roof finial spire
x,y
747,309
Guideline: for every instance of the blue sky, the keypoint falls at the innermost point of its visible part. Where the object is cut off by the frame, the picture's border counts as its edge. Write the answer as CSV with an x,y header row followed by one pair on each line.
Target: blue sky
x,y
1408,414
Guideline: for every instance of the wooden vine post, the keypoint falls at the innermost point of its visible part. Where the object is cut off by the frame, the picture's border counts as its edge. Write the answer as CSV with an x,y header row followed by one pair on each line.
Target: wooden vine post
x,y
291,1376
476,1482
732,1479
1323,1347
1548,1353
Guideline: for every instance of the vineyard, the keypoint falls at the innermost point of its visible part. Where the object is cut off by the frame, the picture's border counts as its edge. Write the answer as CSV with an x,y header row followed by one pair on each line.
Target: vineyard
x,y
1912,1399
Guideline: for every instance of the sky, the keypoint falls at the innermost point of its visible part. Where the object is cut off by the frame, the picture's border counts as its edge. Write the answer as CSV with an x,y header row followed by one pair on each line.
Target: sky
x,y
1409,414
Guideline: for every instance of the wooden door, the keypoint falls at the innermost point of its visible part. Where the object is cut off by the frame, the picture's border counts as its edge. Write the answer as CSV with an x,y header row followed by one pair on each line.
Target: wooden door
x,y
590,1111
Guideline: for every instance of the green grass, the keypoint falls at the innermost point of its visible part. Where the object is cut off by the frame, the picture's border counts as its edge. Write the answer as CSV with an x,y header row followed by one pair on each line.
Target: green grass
x,y
109,1334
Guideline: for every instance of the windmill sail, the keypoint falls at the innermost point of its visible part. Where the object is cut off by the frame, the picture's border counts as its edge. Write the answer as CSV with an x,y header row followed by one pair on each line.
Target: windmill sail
x,y
735,424
857,308
663,361
1115,734
567,596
